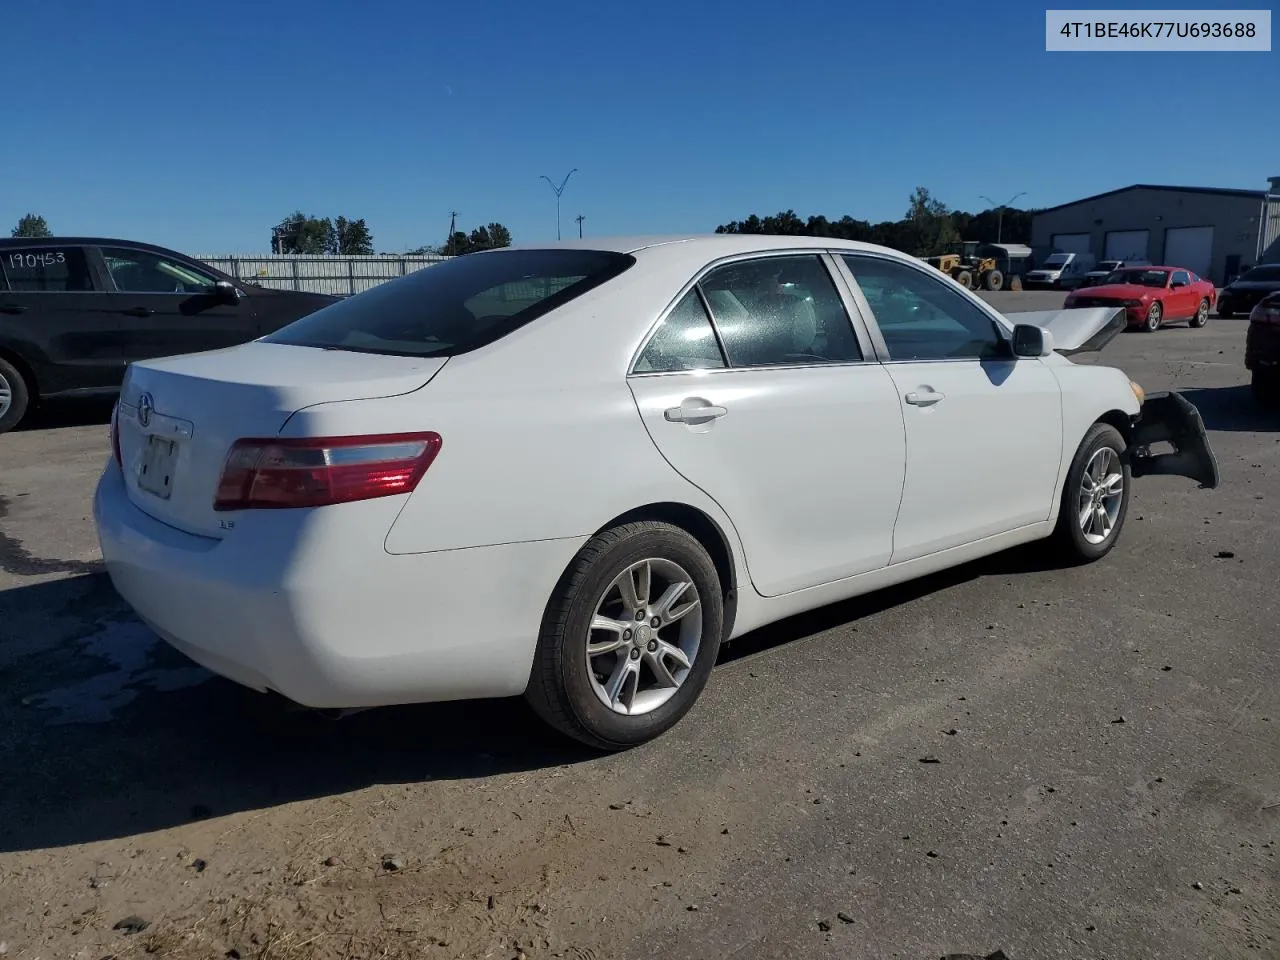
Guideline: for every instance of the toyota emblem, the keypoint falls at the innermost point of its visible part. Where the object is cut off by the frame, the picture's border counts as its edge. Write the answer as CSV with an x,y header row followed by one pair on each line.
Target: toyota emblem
x,y
146,405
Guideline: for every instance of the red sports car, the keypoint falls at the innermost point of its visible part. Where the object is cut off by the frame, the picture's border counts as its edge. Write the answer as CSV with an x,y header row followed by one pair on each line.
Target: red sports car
x,y
1151,296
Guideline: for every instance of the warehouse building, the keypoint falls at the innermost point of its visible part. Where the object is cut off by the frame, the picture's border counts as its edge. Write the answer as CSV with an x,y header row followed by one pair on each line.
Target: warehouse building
x,y
1212,231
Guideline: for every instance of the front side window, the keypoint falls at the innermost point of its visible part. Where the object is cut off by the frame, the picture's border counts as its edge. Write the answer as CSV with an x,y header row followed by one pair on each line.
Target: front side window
x,y
455,306
46,269
683,341
779,310
140,271
1181,277
922,318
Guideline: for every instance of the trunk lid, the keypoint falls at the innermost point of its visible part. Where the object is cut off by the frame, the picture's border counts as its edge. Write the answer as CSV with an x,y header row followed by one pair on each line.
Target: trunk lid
x,y
1078,330
178,416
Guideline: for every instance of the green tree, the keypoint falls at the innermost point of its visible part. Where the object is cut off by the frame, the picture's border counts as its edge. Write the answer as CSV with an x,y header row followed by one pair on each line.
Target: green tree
x,y
300,233
31,225
352,237
928,226
487,237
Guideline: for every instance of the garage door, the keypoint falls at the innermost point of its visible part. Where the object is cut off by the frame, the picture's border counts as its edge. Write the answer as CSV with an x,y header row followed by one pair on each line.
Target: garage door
x,y
1190,247
1070,242
1126,245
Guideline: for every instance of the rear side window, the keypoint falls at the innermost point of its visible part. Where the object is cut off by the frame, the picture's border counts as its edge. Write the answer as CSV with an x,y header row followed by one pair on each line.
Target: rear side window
x,y
455,306
46,269
683,341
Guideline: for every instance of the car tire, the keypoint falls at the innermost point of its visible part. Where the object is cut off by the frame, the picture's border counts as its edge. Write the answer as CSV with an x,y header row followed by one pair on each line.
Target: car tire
x,y
1075,540
1201,316
1265,385
573,691
1155,315
15,396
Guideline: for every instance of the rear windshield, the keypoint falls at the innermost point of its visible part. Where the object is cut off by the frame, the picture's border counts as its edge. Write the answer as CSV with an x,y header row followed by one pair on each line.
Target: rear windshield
x,y
457,305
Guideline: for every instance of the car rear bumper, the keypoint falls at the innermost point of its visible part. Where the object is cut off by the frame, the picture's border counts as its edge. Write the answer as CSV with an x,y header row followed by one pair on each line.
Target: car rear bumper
x,y
1173,418
333,622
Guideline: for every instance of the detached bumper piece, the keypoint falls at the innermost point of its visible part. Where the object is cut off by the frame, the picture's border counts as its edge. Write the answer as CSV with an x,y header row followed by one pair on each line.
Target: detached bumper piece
x,y
1172,417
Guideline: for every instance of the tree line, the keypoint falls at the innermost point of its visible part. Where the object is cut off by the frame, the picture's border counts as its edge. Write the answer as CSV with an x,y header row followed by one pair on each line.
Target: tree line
x,y
927,228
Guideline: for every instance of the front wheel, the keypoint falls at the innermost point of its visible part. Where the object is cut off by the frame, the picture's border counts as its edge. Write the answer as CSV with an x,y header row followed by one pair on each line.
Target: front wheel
x,y
1202,314
1155,314
629,638
1095,498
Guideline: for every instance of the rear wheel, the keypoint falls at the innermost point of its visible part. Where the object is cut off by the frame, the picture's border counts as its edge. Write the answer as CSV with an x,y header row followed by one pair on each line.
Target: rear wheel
x,y
1155,315
15,397
994,280
630,637
1095,498
1202,314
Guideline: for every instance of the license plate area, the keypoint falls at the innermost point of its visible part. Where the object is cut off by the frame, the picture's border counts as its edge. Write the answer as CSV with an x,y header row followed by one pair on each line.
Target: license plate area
x,y
159,459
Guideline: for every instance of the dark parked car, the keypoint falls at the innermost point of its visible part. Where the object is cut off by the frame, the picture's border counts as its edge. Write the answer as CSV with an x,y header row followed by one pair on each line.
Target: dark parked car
x,y
1262,349
1246,290
74,311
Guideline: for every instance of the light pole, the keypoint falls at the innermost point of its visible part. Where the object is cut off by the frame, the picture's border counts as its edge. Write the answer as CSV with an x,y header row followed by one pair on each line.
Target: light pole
x,y
580,217
1000,212
559,190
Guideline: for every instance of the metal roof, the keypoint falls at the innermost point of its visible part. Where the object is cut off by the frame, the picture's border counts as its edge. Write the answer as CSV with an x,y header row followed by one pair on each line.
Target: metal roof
x,y
1220,191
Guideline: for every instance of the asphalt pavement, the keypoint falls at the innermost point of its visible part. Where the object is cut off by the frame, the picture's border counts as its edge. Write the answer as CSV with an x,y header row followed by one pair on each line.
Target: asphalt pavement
x,y
1054,763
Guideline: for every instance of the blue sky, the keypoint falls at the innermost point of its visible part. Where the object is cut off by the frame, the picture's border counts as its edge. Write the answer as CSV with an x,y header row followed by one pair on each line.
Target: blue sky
x,y
199,125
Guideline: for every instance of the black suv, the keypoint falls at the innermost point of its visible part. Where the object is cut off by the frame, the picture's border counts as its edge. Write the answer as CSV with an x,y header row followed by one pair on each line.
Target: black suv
x,y
74,311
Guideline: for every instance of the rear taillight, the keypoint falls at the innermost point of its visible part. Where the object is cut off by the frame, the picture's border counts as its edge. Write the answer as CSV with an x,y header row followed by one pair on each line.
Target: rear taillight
x,y
318,471
1266,313
115,435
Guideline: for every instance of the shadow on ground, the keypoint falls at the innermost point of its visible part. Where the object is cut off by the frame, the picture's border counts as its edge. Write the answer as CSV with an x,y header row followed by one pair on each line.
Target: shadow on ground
x,y
57,414
1232,409
161,756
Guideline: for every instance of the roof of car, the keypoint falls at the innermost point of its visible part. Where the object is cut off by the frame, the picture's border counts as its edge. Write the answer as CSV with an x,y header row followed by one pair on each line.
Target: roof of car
x,y
702,241
76,241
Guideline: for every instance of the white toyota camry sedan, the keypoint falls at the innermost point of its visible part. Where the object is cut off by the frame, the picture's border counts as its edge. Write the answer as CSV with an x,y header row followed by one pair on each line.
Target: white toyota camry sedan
x,y
572,472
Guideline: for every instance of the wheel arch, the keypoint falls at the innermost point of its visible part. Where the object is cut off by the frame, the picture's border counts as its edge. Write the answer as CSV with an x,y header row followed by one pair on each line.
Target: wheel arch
x,y
15,359
1121,421
707,532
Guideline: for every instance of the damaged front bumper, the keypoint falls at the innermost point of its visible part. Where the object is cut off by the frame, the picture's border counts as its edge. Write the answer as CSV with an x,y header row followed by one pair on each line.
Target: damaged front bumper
x,y
1173,418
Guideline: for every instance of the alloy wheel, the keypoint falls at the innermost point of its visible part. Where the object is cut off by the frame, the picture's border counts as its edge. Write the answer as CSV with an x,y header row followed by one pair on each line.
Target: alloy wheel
x,y
643,640
1101,495
6,395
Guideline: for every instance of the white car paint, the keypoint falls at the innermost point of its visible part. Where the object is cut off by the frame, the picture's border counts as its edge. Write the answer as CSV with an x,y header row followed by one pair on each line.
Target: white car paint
x,y
823,481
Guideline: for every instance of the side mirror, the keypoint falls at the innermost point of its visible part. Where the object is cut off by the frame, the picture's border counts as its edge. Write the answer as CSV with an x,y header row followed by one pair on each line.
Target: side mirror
x,y
1031,341
225,292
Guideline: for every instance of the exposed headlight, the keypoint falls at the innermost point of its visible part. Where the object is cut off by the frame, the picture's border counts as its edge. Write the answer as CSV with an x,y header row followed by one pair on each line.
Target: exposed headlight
x,y
1138,392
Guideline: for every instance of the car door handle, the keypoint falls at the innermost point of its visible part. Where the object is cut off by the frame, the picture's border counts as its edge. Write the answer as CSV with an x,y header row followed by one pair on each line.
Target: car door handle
x,y
138,312
924,397
694,410
12,308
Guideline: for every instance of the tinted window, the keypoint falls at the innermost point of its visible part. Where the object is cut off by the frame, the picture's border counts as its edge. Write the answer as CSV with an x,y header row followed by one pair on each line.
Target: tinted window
x,y
46,269
683,341
1181,277
140,271
923,318
457,305
779,310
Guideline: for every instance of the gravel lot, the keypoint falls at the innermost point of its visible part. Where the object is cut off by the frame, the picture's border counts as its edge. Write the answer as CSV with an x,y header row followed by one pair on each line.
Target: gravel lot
x,y
1106,784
